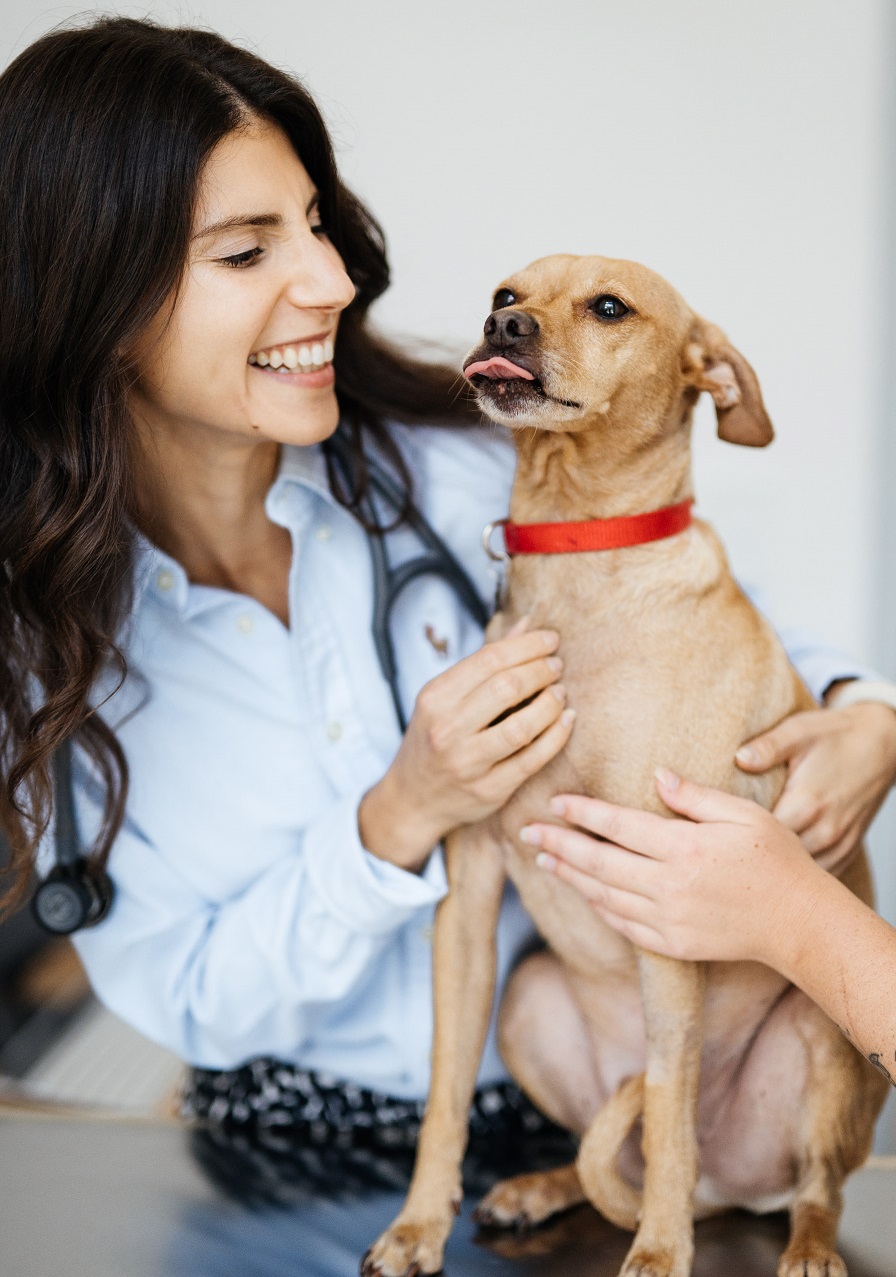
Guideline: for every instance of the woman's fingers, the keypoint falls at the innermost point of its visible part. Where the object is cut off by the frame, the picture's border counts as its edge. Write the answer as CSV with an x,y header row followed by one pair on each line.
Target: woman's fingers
x,y
506,777
702,803
565,849
639,933
778,745
520,728
619,900
798,807
499,696
492,661
636,830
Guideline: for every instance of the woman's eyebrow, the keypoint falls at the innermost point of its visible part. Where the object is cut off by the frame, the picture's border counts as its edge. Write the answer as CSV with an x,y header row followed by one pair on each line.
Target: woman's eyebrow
x,y
249,219
238,221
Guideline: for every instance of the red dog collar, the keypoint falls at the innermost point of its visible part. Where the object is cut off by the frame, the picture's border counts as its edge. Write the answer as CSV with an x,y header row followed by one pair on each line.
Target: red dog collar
x,y
592,534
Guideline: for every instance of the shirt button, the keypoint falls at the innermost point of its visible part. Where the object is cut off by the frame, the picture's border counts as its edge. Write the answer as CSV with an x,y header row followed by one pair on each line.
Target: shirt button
x,y
324,532
245,623
165,580
426,933
334,730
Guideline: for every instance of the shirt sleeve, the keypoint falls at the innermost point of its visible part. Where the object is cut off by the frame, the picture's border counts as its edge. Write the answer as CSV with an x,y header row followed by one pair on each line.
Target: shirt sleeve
x,y
221,982
818,663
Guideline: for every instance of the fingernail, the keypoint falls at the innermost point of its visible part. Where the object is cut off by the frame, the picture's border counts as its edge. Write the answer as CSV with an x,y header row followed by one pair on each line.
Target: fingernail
x,y
747,755
545,860
551,639
555,663
558,690
558,806
666,778
530,835
568,717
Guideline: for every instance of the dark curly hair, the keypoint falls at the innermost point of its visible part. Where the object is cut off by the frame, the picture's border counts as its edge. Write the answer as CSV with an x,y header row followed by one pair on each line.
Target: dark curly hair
x,y
104,131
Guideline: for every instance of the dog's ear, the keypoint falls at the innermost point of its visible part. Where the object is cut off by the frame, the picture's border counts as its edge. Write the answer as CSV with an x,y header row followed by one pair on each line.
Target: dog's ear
x,y
711,363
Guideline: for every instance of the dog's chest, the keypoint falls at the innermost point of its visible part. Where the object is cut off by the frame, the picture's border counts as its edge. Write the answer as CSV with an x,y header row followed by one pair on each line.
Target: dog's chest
x,y
666,664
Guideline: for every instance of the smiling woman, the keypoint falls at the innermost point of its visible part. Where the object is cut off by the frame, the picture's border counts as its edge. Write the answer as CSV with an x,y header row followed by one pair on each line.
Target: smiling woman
x,y
204,223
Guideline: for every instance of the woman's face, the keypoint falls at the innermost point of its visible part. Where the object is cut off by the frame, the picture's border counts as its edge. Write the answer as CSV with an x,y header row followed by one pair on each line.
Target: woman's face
x,y
247,346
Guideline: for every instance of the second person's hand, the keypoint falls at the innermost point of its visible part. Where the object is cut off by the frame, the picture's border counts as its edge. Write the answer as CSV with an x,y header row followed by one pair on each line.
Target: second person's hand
x,y
456,764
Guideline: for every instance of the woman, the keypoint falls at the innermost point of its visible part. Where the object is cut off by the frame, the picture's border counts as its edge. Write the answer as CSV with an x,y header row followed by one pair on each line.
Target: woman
x,y
187,588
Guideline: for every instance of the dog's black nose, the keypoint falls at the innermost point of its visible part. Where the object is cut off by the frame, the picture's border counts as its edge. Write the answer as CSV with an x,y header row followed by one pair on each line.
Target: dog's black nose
x,y
506,327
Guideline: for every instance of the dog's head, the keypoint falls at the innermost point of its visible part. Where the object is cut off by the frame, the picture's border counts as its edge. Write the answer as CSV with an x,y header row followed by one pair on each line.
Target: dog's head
x,y
571,339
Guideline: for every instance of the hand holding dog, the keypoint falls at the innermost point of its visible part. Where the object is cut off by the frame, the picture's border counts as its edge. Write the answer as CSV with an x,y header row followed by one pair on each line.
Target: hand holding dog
x,y
456,764
730,882
718,885
840,766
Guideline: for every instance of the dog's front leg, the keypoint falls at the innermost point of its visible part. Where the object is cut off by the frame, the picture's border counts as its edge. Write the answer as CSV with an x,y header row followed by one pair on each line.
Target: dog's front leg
x,y
464,984
673,1010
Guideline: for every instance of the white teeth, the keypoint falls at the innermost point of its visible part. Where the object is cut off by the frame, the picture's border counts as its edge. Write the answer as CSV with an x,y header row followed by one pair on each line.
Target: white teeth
x,y
288,358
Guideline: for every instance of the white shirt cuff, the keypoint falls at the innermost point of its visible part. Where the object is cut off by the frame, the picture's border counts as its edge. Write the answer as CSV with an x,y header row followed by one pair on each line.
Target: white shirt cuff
x,y
364,892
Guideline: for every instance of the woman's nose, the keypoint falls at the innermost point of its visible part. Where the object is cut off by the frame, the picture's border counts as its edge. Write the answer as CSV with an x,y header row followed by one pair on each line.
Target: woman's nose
x,y
319,281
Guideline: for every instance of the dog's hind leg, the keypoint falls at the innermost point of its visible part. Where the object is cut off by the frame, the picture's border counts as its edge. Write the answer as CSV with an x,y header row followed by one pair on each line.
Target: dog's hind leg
x,y
464,963
673,1013
842,1100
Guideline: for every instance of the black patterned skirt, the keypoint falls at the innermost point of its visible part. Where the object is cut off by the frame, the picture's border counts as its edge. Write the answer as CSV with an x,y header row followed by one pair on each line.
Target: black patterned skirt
x,y
275,1119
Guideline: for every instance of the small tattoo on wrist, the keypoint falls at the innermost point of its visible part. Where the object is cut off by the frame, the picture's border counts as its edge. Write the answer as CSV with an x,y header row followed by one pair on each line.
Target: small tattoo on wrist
x,y
875,1059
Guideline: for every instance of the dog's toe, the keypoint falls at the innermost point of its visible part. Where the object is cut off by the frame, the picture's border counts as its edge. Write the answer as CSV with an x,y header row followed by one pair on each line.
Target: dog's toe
x,y
655,1263
815,1263
406,1250
528,1200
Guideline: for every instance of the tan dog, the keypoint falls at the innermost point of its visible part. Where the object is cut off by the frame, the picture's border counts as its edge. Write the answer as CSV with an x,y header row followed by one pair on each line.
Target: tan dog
x,y
667,664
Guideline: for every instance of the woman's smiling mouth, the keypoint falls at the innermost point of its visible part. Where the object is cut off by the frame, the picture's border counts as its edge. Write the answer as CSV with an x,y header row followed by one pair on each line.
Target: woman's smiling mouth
x,y
297,359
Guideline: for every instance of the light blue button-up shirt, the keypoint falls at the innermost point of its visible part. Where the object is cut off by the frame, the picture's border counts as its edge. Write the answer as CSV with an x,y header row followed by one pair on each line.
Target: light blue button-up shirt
x,y
249,919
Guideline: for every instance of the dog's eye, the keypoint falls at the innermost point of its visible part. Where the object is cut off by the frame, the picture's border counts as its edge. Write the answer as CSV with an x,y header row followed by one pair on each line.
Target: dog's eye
x,y
609,307
503,297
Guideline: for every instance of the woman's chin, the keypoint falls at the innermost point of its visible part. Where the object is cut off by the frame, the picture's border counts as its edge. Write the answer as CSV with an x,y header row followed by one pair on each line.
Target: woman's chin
x,y
306,425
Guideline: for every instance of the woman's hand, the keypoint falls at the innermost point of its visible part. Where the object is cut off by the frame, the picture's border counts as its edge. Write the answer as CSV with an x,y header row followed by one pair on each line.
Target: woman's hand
x,y
841,764
729,883
456,764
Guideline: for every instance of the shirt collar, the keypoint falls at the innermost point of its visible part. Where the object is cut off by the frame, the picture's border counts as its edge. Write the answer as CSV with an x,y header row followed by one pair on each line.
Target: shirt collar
x,y
301,467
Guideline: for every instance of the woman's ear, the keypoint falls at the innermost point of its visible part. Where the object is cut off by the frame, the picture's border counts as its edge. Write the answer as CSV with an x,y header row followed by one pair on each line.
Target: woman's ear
x,y
711,363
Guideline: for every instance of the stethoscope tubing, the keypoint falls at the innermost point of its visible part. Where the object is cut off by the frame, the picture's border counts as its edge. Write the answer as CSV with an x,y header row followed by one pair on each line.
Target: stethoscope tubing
x,y
389,582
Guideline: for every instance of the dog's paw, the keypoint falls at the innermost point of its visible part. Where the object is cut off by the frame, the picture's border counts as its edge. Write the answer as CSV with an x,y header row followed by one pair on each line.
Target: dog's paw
x,y
527,1200
645,1261
812,1262
407,1250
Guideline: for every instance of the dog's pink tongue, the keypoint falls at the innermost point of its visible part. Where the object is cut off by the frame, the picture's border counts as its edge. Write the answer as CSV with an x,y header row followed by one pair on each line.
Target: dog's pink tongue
x,y
498,368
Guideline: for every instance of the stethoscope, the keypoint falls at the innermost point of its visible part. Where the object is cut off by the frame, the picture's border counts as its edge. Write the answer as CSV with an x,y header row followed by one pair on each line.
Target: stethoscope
x,y
388,581
75,894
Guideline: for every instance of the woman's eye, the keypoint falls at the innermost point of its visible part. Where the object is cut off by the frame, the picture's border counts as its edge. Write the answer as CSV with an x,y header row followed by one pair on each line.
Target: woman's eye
x,y
318,228
242,259
503,297
609,307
